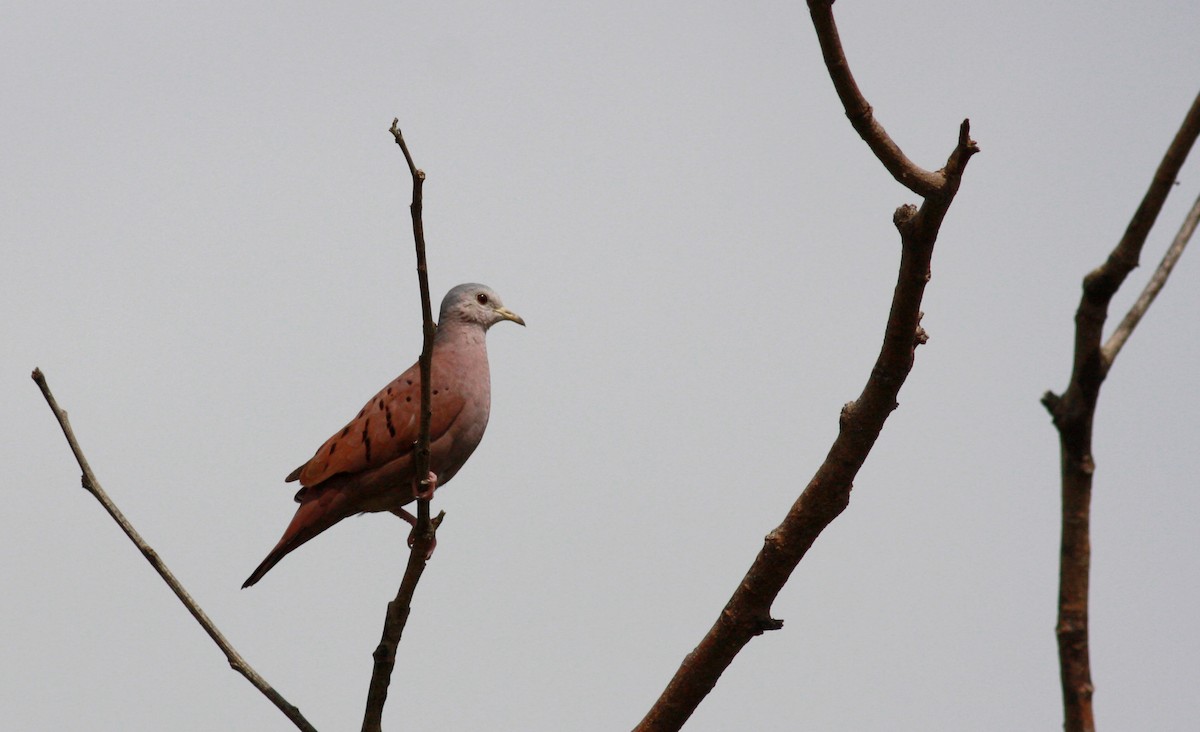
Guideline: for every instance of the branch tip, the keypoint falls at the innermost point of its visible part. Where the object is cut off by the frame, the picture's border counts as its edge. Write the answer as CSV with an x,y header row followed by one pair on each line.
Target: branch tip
x,y
964,137
425,528
768,624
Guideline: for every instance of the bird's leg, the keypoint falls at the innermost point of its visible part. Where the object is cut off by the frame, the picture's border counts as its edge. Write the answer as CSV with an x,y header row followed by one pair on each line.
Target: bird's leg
x,y
406,516
430,485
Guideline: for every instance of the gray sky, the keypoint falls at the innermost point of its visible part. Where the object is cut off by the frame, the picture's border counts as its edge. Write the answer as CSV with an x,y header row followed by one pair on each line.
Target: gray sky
x,y
207,250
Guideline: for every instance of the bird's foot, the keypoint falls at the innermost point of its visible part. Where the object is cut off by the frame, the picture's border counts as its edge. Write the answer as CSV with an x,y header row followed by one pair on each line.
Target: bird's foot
x,y
425,488
412,539
412,535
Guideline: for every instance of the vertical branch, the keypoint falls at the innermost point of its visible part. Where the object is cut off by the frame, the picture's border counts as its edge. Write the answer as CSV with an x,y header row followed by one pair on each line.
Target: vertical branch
x,y
92,485
1073,414
423,531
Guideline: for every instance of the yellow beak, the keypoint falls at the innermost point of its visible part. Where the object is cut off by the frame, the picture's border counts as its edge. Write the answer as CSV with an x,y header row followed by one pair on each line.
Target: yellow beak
x,y
510,315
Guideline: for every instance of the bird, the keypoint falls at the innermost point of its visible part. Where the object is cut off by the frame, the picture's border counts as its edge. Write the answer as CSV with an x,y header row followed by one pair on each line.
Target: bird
x,y
369,464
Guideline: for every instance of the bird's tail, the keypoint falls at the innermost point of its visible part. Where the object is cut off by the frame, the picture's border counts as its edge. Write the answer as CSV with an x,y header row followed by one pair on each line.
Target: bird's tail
x,y
279,552
322,510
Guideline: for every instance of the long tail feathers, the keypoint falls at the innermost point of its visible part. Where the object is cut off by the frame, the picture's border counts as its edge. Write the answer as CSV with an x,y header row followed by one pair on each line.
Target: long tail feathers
x,y
272,559
314,516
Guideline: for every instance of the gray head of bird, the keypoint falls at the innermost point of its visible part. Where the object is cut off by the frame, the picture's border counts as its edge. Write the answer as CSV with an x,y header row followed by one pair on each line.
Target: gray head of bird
x,y
475,303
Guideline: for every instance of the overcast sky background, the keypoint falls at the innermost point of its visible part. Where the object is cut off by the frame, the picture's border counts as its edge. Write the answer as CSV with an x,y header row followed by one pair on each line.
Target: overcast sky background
x,y
207,250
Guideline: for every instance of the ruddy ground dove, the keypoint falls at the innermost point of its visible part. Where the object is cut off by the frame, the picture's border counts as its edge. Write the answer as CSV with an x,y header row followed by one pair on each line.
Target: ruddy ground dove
x,y
368,465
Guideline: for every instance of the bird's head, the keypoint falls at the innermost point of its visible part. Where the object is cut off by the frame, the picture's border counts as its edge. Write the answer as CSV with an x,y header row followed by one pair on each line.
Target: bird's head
x,y
475,303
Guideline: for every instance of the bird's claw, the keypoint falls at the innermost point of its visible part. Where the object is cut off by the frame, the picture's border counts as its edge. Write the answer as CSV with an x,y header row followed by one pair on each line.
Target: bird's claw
x,y
412,539
423,489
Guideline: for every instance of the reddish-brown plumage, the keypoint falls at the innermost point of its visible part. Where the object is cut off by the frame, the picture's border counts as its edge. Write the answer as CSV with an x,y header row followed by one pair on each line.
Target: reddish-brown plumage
x,y
367,465
372,424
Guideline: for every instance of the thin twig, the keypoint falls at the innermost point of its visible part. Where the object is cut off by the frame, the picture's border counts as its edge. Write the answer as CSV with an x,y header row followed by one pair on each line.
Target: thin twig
x,y
862,117
1117,340
748,612
92,485
425,528
1073,414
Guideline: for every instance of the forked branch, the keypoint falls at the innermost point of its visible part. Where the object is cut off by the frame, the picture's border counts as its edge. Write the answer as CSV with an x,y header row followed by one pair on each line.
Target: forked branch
x,y
748,612
1157,280
1074,411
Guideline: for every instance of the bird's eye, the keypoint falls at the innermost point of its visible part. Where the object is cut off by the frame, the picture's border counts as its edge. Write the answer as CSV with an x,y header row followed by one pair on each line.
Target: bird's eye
x,y
481,298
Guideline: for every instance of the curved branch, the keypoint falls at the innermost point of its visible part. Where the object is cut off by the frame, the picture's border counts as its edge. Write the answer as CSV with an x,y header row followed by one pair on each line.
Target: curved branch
x,y
747,614
1073,415
425,528
922,182
92,485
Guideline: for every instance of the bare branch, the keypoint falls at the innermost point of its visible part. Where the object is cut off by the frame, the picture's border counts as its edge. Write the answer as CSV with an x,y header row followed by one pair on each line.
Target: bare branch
x,y
1117,340
862,117
395,620
1103,282
748,612
1073,415
425,528
93,486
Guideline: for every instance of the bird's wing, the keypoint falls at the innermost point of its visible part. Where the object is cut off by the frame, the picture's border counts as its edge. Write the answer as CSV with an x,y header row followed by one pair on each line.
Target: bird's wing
x,y
385,429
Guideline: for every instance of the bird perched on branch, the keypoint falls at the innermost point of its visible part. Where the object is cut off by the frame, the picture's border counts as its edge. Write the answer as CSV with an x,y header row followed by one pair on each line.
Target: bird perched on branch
x,y
368,465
